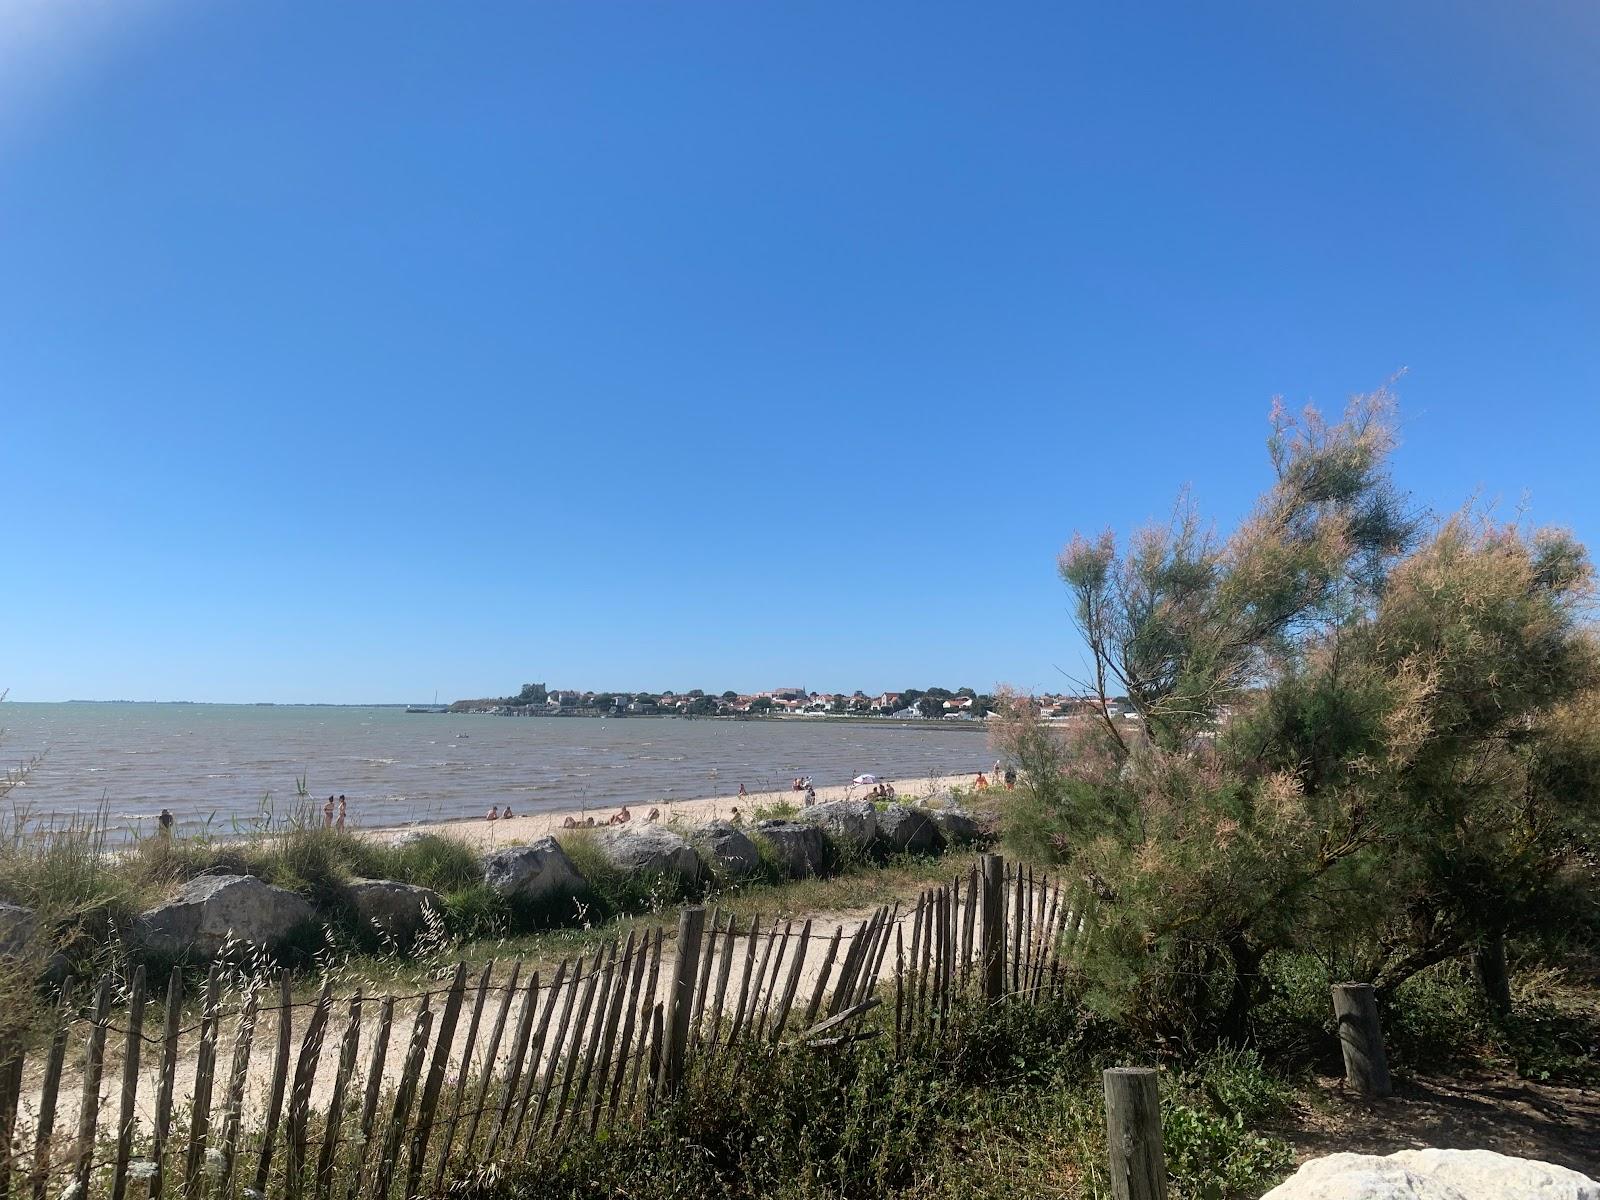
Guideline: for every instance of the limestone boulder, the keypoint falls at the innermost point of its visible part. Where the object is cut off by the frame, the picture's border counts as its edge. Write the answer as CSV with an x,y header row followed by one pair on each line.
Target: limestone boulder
x,y
532,872
800,848
957,827
850,822
904,829
1433,1175
649,850
393,909
727,850
17,927
210,910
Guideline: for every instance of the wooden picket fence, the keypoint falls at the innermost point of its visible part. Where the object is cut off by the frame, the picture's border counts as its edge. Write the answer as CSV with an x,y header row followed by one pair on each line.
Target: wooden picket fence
x,y
264,1096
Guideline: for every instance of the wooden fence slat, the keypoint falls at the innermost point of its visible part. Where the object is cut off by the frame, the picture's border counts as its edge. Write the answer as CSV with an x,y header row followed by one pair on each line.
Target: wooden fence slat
x,y
899,985
852,961
619,1000
305,1074
204,1071
644,1025
89,1112
921,935
703,984
11,1101
822,975
656,1033
744,980
369,1104
537,1053
630,1014
233,1098
760,981
941,944
924,966
792,984
867,975
130,1086
49,1089
575,1043
555,1051
438,1064
333,1125
490,1053
519,1051
531,1052
1049,934
602,1005
725,961
968,920
404,1090
1016,931
280,1080
447,1150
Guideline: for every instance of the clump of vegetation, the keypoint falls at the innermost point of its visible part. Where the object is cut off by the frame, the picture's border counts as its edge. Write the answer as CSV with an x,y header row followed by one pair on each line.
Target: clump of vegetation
x,y
1006,1102
1364,742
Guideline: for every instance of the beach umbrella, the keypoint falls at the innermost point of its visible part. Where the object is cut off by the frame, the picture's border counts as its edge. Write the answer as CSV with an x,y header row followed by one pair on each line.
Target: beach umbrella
x,y
869,780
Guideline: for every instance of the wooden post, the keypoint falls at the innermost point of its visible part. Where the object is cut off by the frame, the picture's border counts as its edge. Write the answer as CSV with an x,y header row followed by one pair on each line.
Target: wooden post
x,y
305,1077
630,1013
404,1090
1366,1068
992,932
792,984
685,967
1015,931
11,1098
1133,1134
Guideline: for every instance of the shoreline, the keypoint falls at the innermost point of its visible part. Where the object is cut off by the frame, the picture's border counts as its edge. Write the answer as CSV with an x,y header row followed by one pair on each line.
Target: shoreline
x,y
519,830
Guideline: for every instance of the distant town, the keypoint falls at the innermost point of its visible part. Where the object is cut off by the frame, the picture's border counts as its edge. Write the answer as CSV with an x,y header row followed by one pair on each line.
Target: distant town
x,y
912,704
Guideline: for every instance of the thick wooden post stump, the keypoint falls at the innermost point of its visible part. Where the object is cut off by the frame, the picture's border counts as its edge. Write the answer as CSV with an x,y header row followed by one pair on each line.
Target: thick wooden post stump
x,y
992,932
1366,1068
1133,1134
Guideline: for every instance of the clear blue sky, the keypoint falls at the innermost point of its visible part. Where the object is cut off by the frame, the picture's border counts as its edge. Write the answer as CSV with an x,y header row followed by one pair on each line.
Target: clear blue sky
x,y
353,351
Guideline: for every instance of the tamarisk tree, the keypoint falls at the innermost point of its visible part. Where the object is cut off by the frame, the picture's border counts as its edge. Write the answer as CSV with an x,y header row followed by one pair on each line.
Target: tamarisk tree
x,y
1358,735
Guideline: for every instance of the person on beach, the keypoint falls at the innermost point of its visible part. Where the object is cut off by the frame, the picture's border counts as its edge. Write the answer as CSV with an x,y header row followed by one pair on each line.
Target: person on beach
x,y
327,814
569,823
982,783
588,822
655,815
622,817
737,819
506,816
164,823
742,793
811,795
995,773
1011,779
339,821
492,815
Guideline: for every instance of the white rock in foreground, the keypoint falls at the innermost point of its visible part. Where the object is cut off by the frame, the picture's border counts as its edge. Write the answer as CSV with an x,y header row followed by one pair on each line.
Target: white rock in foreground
x,y
1433,1175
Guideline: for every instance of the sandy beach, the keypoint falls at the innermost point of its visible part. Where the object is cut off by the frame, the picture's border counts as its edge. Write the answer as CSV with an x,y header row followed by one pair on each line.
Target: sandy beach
x,y
519,830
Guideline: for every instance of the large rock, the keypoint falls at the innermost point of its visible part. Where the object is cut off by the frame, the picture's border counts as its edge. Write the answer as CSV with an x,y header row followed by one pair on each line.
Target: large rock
x,y
853,822
396,910
1433,1175
648,850
801,849
907,830
17,927
533,872
727,850
956,825
212,909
